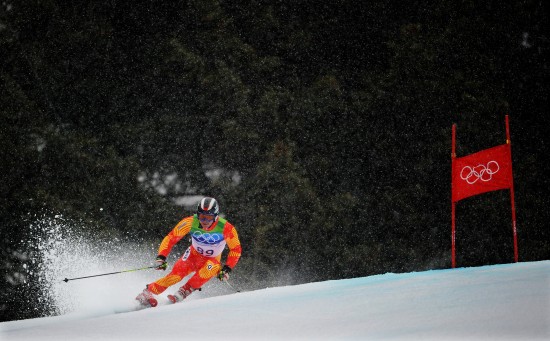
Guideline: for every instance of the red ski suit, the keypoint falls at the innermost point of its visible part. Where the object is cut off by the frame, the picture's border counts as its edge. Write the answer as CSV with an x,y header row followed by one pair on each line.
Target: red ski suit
x,y
203,256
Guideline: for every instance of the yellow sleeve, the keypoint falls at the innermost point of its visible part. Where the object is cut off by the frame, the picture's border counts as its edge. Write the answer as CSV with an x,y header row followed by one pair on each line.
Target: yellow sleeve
x,y
232,239
181,229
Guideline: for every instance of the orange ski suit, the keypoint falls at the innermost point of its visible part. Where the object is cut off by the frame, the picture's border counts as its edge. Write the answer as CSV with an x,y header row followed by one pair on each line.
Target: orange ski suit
x,y
203,256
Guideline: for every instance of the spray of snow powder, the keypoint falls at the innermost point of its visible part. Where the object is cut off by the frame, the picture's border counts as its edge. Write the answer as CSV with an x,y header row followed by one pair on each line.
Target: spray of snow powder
x,y
60,249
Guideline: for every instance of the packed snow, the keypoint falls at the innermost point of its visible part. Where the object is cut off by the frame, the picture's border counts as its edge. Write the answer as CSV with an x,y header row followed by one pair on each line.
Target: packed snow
x,y
500,302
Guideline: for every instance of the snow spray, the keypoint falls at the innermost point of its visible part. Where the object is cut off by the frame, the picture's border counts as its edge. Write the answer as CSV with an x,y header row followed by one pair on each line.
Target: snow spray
x,y
59,248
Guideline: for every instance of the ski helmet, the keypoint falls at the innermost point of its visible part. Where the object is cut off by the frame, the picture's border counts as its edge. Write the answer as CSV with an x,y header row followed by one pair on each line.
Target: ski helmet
x,y
208,206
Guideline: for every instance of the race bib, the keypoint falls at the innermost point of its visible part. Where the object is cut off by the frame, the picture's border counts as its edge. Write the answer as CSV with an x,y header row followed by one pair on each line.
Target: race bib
x,y
208,244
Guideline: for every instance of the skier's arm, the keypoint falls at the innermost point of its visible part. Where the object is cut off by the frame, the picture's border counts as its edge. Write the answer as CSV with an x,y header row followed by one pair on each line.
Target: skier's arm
x,y
180,230
232,239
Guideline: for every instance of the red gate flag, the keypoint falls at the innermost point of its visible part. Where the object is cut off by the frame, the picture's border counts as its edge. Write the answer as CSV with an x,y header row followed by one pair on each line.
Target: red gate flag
x,y
484,171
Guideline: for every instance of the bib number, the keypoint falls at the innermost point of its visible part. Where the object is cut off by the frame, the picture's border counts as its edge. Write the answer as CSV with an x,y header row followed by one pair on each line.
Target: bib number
x,y
209,252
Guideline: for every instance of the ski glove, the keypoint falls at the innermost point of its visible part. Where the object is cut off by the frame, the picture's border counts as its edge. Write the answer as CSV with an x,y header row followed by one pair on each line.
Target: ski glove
x,y
161,262
223,275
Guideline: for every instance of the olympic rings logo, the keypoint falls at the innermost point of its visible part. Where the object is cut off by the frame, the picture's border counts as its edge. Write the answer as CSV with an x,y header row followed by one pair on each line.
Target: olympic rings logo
x,y
207,238
480,172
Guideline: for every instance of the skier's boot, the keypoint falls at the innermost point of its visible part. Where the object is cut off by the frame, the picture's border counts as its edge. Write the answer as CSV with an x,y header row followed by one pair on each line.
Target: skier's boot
x,y
146,298
181,294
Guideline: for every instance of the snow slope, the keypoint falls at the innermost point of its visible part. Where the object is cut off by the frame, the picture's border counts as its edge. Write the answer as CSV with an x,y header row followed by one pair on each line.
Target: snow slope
x,y
509,301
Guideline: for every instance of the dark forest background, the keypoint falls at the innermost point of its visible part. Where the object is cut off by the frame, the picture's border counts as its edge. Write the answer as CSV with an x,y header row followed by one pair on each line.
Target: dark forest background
x,y
326,124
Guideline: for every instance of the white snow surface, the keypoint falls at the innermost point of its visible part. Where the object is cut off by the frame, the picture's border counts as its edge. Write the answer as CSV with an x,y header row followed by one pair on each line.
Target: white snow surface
x,y
499,302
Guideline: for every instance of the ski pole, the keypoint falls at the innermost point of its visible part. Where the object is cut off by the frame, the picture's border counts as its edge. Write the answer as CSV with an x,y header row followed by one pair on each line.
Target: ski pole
x,y
229,285
110,273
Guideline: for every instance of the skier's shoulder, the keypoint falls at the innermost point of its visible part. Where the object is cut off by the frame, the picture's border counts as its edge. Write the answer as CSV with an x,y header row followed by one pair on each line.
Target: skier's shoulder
x,y
224,222
187,220
227,226
184,224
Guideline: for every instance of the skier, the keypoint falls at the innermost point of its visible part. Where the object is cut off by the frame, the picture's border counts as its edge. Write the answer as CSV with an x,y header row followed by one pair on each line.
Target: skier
x,y
209,235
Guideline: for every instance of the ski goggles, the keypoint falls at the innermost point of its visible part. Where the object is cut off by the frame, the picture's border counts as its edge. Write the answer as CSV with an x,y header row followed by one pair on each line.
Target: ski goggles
x,y
206,217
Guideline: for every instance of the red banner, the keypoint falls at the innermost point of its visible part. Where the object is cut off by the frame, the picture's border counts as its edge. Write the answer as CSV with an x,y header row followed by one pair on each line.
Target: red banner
x,y
484,171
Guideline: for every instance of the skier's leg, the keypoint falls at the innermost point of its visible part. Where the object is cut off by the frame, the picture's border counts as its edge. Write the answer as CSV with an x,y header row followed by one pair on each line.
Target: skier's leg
x,y
205,273
181,268
208,270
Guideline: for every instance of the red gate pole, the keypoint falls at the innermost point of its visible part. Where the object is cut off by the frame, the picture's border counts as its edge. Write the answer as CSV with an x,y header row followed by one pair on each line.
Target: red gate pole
x,y
453,204
512,201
